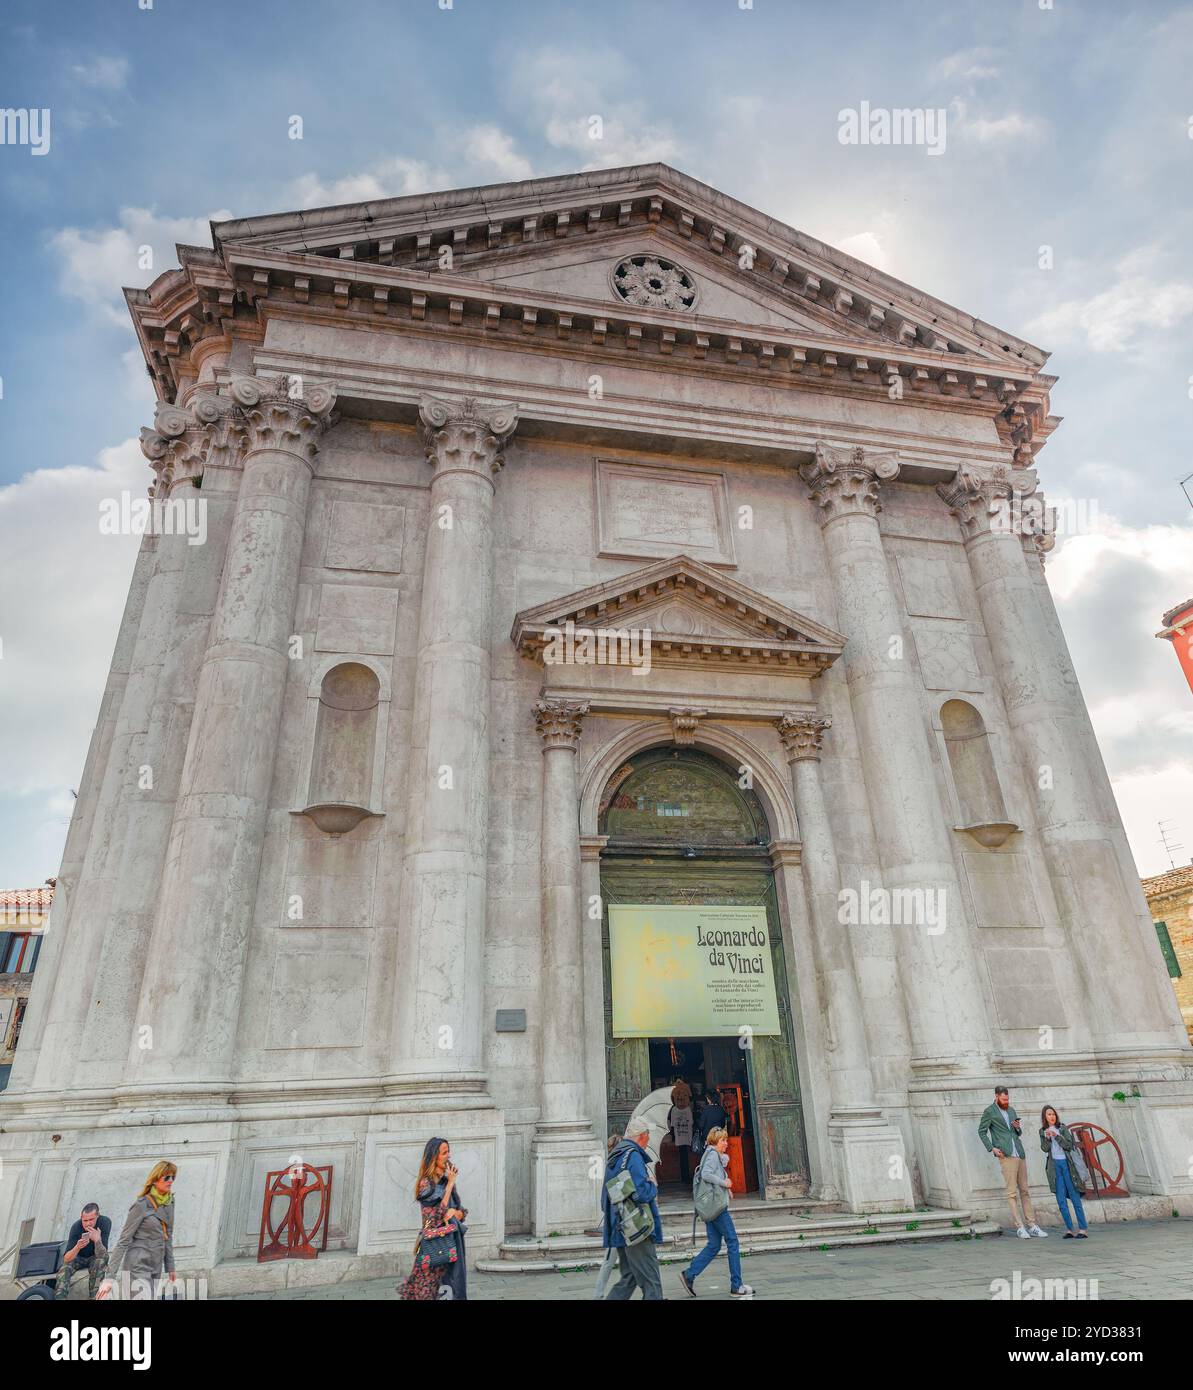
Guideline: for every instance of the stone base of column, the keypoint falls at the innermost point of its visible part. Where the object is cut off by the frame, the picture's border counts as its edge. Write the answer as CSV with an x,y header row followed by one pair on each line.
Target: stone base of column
x,y
567,1162
872,1167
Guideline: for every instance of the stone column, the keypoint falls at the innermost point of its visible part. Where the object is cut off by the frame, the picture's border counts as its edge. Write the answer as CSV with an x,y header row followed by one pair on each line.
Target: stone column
x,y
197,442
439,1022
563,1188
947,1015
872,1168
190,996
1110,932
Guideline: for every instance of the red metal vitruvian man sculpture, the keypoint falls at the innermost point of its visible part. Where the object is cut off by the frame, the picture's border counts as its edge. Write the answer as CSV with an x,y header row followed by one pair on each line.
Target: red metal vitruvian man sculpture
x,y
291,1238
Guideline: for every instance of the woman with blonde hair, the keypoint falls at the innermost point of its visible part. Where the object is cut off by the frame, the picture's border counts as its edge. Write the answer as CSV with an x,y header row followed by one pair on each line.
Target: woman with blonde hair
x,y
439,1270
711,1173
147,1240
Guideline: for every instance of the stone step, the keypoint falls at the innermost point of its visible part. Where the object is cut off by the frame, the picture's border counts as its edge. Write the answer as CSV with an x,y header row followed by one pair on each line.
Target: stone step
x,y
559,1254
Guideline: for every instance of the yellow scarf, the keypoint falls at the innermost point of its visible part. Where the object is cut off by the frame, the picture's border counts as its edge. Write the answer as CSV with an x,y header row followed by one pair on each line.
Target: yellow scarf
x,y
158,1201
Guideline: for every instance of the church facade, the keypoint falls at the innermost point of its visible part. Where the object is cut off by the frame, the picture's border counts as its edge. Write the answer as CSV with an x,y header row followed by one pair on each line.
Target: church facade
x,y
592,570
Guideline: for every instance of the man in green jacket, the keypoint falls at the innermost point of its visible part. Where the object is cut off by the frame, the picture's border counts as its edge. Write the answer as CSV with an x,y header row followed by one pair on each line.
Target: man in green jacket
x,y
999,1130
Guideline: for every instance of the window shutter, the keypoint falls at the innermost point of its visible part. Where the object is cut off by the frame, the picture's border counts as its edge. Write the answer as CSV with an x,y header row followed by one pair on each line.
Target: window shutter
x,y
32,965
1170,960
5,940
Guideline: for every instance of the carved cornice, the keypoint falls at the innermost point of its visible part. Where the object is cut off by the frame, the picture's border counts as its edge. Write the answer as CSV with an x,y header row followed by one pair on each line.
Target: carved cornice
x,y
466,435
684,723
802,735
844,481
559,721
285,413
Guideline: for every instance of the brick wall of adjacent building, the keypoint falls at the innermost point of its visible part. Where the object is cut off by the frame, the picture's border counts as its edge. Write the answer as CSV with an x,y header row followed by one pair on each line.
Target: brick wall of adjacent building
x,y
1170,899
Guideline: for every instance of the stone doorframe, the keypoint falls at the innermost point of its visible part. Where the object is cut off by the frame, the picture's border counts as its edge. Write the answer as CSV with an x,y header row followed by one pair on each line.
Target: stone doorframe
x,y
733,746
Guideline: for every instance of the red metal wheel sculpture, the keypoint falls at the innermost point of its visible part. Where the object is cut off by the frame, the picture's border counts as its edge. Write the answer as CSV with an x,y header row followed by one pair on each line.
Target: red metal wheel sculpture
x,y
290,1238
1103,1158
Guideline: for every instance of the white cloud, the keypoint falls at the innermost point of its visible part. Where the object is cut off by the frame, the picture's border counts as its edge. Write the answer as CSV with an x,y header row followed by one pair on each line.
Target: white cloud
x,y
969,65
96,263
392,178
63,595
1141,298
1120,579
583,102
105,73
490,148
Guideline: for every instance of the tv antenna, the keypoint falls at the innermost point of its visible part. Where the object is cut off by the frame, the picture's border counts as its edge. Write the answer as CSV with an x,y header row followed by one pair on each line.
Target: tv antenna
x,y
1170,845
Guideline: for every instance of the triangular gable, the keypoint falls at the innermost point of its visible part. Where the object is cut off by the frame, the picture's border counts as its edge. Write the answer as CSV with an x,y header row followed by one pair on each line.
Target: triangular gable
x,y
514,223
695,616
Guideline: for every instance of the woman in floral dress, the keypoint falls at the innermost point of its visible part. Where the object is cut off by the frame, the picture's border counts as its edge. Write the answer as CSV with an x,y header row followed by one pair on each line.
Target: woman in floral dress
x,y
438,1197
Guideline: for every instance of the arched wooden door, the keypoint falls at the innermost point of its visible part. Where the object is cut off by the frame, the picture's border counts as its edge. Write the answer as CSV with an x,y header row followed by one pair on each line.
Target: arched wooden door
x,y
682,831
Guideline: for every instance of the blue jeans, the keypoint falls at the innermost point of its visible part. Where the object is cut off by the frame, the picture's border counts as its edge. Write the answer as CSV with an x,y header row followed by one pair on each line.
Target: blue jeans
x,y
722,1229
1066,1192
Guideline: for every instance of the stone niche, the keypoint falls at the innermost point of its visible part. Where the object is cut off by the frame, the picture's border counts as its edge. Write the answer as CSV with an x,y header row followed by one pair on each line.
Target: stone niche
x,y
646,512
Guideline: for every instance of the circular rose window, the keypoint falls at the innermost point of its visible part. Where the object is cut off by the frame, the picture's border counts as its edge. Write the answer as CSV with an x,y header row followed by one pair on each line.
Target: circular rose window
x,y
653,283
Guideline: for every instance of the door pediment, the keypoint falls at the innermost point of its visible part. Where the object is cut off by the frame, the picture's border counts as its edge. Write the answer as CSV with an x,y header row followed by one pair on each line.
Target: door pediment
x,y
684,613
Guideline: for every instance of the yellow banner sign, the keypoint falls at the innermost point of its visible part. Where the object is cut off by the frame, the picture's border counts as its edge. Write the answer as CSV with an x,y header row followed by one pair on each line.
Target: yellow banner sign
x,y
691,972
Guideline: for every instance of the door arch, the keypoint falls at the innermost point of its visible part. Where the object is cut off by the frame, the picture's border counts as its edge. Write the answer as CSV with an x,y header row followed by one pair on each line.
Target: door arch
x,y
678,829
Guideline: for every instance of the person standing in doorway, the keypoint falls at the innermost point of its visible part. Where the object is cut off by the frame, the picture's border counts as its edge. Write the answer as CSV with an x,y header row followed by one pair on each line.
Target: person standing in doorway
x,y
86,1251
713,1163
999,1129
1058,1144
638,1264
711,1117
680,1123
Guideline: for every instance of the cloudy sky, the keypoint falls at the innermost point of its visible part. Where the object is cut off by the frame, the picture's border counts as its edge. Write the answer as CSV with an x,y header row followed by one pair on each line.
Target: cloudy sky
x,y
1059,209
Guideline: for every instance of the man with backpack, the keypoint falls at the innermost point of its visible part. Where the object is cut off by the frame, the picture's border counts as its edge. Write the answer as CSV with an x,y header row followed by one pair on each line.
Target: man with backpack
x,y
632,1225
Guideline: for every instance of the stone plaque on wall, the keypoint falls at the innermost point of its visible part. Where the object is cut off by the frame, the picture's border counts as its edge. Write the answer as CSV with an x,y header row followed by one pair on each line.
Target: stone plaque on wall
x,y
317,998
1000,885
928,589
645,512
1024,988
357,618
365,536
947,660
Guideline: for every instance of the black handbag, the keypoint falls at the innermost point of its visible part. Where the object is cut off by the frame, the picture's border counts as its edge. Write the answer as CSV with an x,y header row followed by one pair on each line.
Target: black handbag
x,y
437,1248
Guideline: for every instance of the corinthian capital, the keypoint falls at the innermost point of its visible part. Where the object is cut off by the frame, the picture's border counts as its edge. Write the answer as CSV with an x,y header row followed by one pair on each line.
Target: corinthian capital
x,y
992,498
463,434
845,480
288,413
558,722
802,735
185,439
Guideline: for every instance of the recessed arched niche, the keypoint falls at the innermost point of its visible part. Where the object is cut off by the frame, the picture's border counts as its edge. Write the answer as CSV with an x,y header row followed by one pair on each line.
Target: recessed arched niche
x,y
344,753
975,778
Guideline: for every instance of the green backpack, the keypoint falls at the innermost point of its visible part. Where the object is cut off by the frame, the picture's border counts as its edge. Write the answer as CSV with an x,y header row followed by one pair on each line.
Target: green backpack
x,y
635,1221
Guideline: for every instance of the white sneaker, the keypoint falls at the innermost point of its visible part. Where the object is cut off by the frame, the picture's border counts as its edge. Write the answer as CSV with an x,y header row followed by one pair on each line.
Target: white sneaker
x,y
744,1292
1022,1233
1035,1231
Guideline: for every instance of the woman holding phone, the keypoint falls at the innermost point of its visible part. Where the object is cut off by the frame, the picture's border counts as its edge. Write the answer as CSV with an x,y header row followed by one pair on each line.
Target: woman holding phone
x,y
1058,1144
437,1192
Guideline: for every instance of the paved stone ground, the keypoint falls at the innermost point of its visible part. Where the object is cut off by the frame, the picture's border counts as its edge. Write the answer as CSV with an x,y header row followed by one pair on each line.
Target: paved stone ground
x,y
1129,1259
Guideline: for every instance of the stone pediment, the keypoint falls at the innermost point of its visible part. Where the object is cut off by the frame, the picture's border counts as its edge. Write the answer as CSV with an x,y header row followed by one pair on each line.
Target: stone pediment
x,y
562,236
691,615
